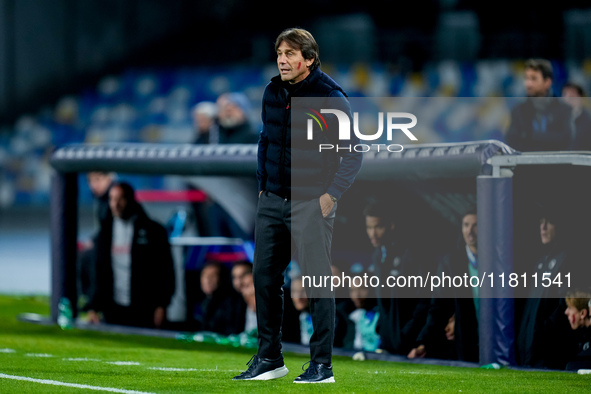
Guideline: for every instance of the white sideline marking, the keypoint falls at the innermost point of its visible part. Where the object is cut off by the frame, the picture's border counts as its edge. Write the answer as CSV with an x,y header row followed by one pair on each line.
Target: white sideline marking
x,y
42,355
74,385
80,359
193,369
7,351
122,362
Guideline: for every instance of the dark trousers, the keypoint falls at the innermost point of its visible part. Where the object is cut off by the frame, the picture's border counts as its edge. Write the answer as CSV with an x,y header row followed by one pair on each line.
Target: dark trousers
x,y
282,226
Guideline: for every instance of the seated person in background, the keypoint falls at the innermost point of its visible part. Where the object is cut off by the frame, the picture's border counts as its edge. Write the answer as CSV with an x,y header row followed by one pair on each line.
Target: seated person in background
x,y
235,126
579,318
573,95
247,290
218,311
542,338
362,333
301,304
240,271
134,267
451,328
400,318
343,306
299,301
204,116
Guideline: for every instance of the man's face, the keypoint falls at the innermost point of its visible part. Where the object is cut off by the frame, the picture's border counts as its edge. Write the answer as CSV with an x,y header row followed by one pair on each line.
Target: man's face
x,y
202,122
117,201
210,279
450,329
571,97
535,84
547,231
247,285
470,230
359,295
291,63
230,115
576,318
239,273
98,182
377,228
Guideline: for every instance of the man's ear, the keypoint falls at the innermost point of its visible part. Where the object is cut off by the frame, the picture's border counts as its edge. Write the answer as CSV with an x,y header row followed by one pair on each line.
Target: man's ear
x,y
309,62
547,83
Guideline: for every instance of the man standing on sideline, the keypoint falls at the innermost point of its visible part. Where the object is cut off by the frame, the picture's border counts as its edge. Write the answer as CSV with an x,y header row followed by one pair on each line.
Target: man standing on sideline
x,y
319,185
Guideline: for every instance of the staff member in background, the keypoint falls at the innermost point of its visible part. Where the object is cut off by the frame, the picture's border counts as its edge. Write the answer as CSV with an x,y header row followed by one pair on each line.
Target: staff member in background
x,y
573,95
542,122
451,328
135,273
99,184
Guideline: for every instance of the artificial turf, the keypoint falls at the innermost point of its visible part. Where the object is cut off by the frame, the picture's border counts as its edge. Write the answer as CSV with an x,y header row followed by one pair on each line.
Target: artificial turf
x,y
159,365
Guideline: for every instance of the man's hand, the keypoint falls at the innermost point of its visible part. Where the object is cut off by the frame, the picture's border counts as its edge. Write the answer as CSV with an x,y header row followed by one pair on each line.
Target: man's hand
x,y
418,352
93,317
326,204
159,315
261,192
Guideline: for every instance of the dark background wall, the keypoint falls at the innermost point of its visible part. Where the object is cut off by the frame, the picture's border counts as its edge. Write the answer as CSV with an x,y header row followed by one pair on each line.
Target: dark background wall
x,y
49,48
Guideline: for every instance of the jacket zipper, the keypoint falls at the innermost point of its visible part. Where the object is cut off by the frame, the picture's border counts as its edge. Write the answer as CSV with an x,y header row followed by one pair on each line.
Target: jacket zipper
x,y
284,147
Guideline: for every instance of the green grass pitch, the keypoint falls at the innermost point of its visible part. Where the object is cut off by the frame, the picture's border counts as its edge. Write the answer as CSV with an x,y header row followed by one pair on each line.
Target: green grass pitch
x,y
82,361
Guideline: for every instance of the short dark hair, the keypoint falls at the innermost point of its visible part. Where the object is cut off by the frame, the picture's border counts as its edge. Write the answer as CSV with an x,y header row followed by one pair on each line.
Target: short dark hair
x,y
542,65
303,41
379,209
579,299
243,263
469,212
577,87
128,191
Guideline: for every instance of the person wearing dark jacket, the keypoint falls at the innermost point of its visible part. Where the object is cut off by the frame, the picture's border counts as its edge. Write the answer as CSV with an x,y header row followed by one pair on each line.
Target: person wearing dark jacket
x,y
577,311
99,184
222,310
298,190
542,338
573,95
543,122
135,272
459,305
401,313
235,126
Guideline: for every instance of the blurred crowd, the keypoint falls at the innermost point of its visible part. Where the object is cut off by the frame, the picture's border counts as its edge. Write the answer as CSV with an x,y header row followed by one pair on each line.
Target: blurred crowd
x,y
157,106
